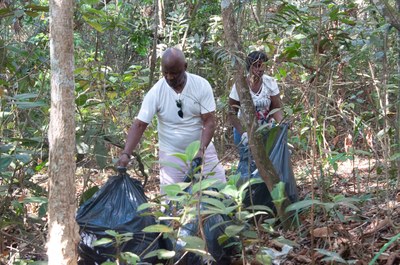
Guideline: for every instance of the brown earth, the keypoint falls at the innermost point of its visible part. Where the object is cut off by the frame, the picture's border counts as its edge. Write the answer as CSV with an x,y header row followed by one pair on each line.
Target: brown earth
x,y
352,233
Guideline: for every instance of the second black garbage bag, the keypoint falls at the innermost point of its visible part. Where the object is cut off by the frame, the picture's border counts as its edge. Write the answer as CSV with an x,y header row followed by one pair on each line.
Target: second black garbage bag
x,y
279,155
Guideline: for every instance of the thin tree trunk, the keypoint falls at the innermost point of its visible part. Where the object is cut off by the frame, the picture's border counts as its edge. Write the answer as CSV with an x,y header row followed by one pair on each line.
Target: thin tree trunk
x,y
153,59
398,102
264,164
63,230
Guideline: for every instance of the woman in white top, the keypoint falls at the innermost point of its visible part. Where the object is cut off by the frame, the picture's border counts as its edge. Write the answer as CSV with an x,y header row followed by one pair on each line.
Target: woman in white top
x,y
264,92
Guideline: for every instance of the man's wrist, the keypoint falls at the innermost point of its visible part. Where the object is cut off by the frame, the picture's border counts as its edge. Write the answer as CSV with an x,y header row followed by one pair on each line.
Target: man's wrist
x,y
127,154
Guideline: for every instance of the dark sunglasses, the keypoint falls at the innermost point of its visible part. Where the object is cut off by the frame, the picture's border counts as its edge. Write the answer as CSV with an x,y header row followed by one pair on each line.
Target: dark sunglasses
x,y
179,105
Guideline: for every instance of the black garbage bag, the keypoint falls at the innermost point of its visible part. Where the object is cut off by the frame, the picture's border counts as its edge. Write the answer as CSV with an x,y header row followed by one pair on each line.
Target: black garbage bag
x,y
114,207
213,227
280,158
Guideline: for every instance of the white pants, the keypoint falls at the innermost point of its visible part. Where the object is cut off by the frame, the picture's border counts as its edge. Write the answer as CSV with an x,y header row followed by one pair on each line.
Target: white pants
x,y
212,168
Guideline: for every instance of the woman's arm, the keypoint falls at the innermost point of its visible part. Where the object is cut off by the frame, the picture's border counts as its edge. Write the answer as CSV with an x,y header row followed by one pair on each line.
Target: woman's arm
x,y
232,115
276,103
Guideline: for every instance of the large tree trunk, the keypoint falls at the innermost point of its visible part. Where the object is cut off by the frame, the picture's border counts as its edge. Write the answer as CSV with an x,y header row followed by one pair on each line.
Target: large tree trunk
x,y
398,104
264,164
63,230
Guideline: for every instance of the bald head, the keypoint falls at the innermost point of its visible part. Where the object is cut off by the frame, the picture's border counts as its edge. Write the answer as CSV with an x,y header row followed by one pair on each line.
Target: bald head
x,y
174,56
173,64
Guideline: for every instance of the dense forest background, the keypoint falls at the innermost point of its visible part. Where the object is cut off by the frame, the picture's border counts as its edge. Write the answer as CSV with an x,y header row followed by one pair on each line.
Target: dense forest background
x,y
337,64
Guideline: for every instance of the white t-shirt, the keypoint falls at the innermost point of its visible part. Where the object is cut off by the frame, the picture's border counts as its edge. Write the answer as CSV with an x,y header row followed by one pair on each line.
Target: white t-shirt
x,y
176,133
261,100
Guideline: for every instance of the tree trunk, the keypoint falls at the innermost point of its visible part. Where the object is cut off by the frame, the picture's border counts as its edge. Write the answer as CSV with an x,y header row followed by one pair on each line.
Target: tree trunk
x,y
398,103
153,58
388,12
63,230
264,164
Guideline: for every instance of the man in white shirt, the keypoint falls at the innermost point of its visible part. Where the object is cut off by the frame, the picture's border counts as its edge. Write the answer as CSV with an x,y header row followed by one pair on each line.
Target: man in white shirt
x,y
185,107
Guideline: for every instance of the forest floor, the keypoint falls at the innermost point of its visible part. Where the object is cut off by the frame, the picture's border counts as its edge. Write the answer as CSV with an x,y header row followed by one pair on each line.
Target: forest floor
x,y
348,233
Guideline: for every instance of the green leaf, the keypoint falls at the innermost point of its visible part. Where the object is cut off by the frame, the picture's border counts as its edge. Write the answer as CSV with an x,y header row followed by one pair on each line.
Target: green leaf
x,y
192,150
5,161
39,200
38,8
24,96
395,156
175,189
158,229
101,153
260,208
32,13
5,12
30,105
204,184
299,37
213,193
207,258
214,202
328,205
251,215
348,21
193,242
88,194
383,248
284,241
230,190
264,259
102,241
222,239
129,257
24,158
81,100
145,206
112,233
170,164
297,206
272,134
94,24
161,254
278,193
182,157
250,234
233,230
230,209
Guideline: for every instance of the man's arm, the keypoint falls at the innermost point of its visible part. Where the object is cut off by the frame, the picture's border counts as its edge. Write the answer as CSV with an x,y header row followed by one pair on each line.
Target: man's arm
x,y
132,140
207,134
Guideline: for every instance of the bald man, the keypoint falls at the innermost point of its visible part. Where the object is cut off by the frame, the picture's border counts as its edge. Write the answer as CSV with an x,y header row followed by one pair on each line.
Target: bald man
x,y
185,107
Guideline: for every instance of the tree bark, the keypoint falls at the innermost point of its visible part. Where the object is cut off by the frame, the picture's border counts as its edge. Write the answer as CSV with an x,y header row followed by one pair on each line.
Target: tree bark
x,y
264,164
391,15
153,58
398,104
63,230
